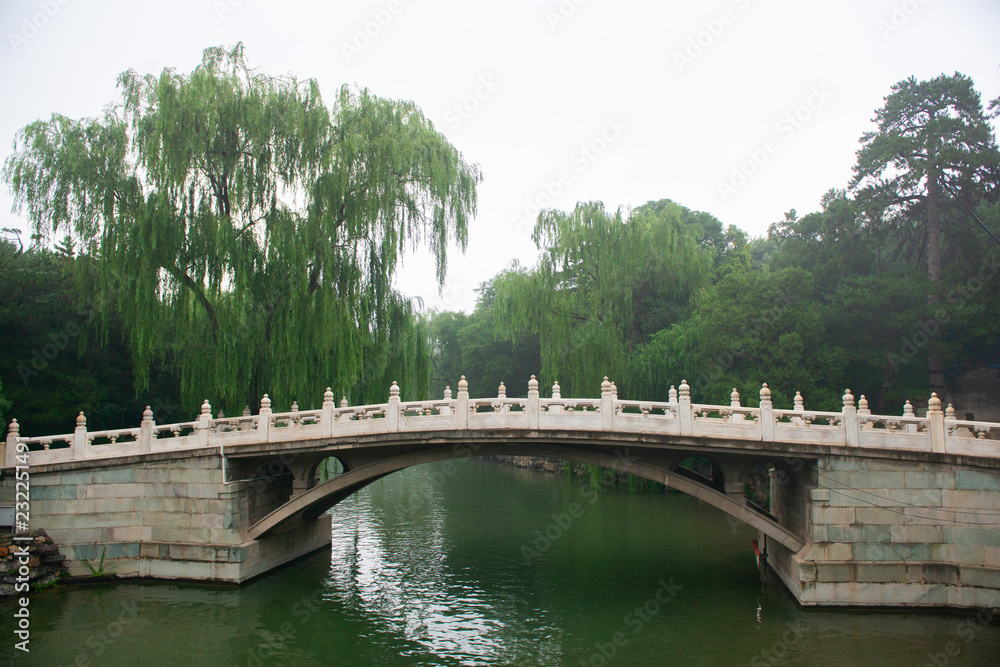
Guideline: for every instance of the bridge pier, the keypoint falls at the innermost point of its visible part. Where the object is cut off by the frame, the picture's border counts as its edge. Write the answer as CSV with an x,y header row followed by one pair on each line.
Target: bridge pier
x,y
891,533
170,516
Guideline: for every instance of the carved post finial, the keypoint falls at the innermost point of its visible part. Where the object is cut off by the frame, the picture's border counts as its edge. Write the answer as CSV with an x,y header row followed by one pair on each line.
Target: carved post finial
x,y
14,428
734,399
343,402
685,389
614,391
265,403
672,394
765,393
328,396
605,386
147,414
501,391
447,392
556,390
863,406
798,404
81,420
934,404
463,387
949,412
295,407
848,399
394,390
246,410
533,384
907,409
206,408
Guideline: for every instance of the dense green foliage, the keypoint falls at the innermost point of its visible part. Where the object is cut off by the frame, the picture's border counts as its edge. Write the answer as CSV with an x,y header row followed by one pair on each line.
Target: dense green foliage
x,y
847,296
248,234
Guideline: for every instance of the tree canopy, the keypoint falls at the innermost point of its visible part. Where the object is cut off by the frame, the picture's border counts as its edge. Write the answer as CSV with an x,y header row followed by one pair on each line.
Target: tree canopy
x,y
247,229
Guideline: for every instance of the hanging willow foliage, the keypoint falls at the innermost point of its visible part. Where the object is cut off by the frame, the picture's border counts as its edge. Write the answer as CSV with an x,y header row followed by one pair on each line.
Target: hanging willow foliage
x,y
596,275
249,233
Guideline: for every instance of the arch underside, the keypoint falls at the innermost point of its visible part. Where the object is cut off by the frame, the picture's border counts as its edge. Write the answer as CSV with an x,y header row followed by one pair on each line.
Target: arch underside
x,y
317,500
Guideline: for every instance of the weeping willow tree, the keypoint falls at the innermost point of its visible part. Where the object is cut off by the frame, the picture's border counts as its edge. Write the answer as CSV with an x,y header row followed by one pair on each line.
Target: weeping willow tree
x,y
596,288
249,233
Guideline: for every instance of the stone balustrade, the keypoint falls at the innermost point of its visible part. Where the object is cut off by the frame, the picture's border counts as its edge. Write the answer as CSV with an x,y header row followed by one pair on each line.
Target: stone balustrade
x,y
854,426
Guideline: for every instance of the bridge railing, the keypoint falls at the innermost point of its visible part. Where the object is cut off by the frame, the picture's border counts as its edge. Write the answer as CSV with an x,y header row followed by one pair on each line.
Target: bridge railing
x,y
854,426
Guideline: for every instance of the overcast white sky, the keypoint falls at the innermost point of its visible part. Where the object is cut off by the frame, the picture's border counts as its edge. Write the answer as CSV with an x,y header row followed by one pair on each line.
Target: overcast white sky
x,y
621,102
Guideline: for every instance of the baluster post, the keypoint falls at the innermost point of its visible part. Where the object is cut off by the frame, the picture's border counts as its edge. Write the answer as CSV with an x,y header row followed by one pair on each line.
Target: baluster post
x,y
684,410
446,409
80,438
607,406
10,454
146,431
204,424
462,406
264,420
935,424
534,405
392,408
326,414
852,428
734,402
766,414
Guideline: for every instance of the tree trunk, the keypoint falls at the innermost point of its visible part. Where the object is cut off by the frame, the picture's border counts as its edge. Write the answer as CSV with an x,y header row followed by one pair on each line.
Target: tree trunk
x,y
935,367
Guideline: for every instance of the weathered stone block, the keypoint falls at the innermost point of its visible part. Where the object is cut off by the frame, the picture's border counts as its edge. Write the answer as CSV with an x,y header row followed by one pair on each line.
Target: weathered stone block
x,y
964,500
877,515
977,480
839,463
833,515
807,572
981,576
820,533
77,477
926,534
45,479
834,572
914,573
991,557
974,598
203,491
113,491
819,495
63,492
192,552
207,521
880,573
892,552
166,519
958,553
855,533
155,489
929,516
196,476
189,535
114,476
981,537
911,497
156,475
940,573
930,480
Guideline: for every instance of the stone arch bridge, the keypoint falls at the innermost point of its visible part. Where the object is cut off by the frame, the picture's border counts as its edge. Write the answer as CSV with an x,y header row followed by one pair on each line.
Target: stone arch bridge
x,y
866,510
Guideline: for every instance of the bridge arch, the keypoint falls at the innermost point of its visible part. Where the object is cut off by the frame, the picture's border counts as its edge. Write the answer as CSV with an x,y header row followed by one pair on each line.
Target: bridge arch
x,y
313,502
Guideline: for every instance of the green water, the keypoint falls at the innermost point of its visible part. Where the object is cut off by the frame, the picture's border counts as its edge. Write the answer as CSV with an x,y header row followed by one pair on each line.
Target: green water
x,y
442,566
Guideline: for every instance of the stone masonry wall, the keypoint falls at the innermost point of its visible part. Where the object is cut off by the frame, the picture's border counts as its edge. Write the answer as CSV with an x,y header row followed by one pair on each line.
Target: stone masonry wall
x,y
890,533
172,518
